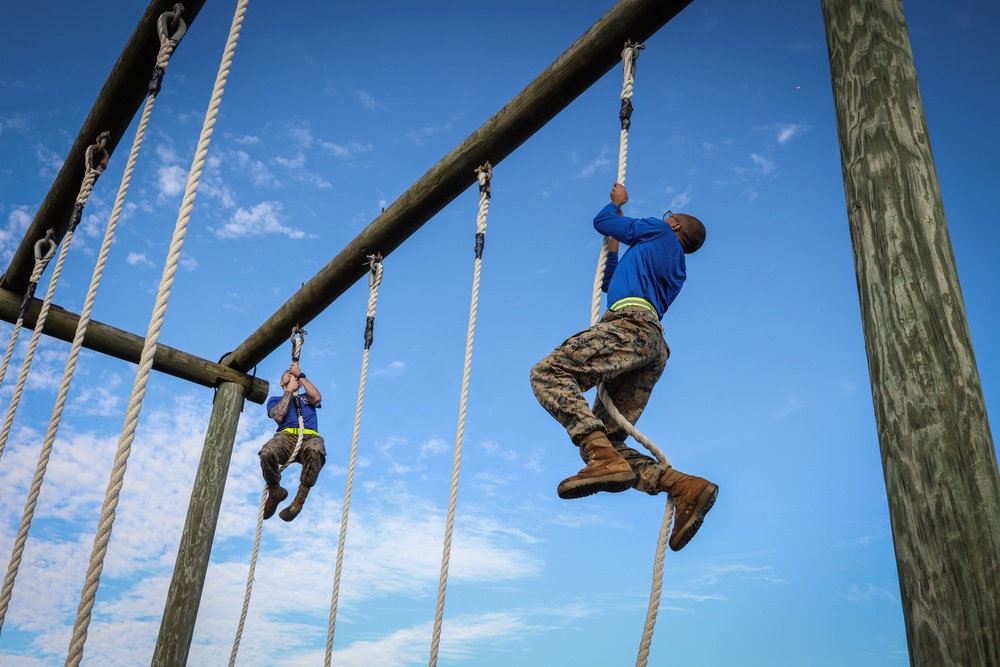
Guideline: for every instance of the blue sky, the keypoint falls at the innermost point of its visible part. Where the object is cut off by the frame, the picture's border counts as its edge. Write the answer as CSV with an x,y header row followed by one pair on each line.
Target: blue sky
x,y
330,113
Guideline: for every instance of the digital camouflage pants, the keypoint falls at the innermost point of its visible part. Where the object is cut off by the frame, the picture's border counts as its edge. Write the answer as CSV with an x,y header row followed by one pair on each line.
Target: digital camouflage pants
x,y
276,451
627,353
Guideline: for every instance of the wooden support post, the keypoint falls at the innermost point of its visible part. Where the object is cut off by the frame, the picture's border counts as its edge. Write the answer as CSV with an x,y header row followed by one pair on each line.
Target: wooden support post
x,y
120,344
119,100
938,456
184,596
586,61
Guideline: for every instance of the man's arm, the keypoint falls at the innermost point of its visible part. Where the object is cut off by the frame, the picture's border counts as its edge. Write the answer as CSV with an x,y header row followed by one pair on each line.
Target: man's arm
x,y
611,222
280,409
312,393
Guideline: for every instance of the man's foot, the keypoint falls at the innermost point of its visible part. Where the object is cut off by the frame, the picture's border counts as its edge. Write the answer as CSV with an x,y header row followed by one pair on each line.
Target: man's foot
x,y
275,494
292,511
693,498
606,470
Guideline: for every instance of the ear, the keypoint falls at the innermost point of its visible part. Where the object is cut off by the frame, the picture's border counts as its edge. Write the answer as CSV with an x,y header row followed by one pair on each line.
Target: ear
x,y
674,223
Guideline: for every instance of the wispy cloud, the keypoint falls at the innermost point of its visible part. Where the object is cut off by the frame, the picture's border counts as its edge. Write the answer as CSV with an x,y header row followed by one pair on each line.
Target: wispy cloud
x,y
787,132
11,233
367,101
50,161
394,369
420,135
868,592
765,165
597,163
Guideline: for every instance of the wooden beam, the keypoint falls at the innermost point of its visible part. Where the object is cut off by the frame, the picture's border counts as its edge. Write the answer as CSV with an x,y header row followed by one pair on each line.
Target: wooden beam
x,y
938,456
120,344
586,61
184,595
116,105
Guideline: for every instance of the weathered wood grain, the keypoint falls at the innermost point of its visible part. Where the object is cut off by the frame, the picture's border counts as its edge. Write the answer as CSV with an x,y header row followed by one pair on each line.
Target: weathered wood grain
x,y
938,455
184,595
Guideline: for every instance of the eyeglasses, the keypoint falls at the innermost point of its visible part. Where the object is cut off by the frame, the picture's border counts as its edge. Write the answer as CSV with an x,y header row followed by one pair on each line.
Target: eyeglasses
x,y
669,214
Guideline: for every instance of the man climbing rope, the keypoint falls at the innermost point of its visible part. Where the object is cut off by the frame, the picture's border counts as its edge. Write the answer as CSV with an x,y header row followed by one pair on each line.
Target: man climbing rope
x,y
627,353
277,451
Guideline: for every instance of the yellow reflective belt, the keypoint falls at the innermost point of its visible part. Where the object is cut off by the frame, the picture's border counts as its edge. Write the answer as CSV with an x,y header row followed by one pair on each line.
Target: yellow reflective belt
x,y
634,301
295,431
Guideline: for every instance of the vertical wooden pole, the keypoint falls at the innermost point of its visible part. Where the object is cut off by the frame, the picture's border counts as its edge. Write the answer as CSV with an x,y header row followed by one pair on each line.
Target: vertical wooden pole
x,y
184,596
938,455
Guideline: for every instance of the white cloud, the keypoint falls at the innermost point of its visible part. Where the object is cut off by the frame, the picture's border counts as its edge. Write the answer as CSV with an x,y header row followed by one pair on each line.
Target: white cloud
x,y
10,235
264,218
138,258
171,180
787,132
433,447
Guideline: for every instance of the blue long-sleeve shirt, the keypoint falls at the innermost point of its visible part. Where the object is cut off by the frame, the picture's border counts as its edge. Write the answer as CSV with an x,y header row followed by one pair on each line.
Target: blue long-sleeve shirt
x,y
652,268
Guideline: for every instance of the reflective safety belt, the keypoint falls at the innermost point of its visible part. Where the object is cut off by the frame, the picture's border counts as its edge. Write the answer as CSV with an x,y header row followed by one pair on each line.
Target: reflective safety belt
x,y
634,301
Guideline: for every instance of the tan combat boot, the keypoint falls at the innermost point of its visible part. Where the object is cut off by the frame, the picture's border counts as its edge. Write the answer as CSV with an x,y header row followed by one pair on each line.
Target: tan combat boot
x,y
693,497
292,511
606,470
275,494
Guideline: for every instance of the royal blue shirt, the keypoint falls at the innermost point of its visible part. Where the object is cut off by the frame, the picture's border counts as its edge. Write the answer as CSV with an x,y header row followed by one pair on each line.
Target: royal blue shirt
x,y
291,420
653,266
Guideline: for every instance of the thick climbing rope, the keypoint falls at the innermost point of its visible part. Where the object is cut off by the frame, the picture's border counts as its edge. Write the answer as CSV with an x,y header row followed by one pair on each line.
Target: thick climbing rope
x,y
45,248
484,174
96,160
297,339
374,280
168,42
629,55
103,537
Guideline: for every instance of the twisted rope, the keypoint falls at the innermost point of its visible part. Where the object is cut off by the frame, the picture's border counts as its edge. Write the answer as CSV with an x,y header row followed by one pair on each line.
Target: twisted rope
x,y
96,160
260,529
484,174
103,536
629,56
167,45
374,280
44,249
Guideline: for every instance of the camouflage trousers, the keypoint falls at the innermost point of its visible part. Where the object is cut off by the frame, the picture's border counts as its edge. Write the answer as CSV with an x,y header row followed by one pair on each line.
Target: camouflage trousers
x,y
276,451
627,353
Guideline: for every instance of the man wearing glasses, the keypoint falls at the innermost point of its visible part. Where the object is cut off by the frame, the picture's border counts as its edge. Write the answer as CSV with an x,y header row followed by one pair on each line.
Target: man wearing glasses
x,y
627,353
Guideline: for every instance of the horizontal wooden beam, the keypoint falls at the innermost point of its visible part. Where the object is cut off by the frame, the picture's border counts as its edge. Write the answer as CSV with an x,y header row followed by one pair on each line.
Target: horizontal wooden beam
x,y
586,61
116,105
120,344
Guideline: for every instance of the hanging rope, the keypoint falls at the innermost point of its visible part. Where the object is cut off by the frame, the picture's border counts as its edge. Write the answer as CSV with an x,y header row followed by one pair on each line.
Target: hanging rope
x,y
168,42
96,160
297,339
44,249
629,55
484,174
374,280
103,536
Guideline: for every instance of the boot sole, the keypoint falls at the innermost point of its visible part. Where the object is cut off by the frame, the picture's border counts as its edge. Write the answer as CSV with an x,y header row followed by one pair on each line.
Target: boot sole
x,y
705,502
571,489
